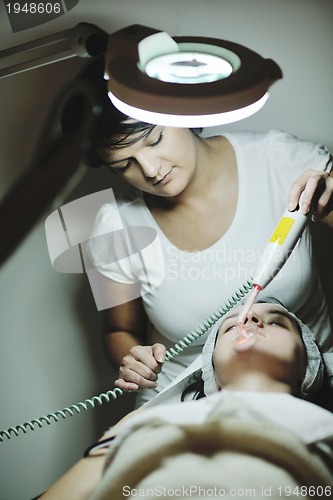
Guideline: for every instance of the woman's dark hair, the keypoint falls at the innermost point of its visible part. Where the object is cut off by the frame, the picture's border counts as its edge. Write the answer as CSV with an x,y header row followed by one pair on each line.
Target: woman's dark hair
x,y
195,387
114,129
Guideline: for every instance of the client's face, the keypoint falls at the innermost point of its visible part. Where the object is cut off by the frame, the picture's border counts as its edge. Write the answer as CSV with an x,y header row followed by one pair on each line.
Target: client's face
x,y
278,350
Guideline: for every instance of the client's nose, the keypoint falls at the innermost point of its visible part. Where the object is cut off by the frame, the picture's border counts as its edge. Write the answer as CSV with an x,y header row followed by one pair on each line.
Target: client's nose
x,y
254,318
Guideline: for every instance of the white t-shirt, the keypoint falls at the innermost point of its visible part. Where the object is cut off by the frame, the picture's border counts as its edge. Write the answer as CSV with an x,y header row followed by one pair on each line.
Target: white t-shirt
x,y
180,289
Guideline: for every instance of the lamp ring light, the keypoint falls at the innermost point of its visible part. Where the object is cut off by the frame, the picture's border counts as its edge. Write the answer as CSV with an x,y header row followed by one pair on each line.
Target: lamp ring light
x,y
185,81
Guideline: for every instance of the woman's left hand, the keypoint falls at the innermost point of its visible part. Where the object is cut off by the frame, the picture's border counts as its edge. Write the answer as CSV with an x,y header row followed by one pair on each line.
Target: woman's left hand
x,y
317,193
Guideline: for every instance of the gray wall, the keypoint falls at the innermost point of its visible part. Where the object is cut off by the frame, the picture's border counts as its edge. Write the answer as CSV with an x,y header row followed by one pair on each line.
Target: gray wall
x,y
51,353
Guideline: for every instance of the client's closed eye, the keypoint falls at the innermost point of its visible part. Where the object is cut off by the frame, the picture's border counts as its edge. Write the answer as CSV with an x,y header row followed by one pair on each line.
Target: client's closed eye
x,y
228,328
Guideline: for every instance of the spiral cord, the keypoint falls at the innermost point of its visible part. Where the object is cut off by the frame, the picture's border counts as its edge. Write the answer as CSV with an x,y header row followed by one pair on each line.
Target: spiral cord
x,y
65,412
116,392
209,322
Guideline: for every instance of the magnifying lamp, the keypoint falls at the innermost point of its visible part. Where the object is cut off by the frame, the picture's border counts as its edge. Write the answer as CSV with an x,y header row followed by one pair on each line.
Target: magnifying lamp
x,y
179,81
185,81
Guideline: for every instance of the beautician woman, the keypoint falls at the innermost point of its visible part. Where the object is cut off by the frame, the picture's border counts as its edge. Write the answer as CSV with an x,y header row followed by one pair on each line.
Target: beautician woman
x,y
214,202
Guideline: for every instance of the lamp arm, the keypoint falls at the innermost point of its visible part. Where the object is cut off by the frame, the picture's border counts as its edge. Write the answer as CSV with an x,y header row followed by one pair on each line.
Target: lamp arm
x,y
84,40
53,168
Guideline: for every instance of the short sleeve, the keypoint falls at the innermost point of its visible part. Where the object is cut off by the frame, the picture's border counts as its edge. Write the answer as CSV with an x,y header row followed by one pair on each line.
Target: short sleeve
x,y
109,247
124,251
299,154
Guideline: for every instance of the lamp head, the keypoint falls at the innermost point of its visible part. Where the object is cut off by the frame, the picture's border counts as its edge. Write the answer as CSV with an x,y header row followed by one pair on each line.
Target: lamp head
x,y
185,81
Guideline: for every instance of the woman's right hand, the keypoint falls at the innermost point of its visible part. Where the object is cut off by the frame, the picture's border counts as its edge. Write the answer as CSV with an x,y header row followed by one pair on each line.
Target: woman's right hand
x,y
140,367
